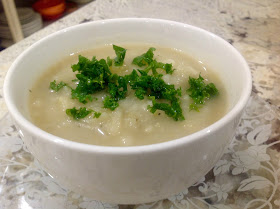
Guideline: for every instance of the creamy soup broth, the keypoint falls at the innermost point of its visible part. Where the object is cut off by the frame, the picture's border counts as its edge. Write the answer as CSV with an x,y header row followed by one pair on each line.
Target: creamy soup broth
x,y
131,123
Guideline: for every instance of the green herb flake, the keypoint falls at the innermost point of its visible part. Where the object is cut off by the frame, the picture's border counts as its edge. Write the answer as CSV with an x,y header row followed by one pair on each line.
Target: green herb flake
x,y
156,88
97,114
172,110
200,92
165,66
78,113
56,87
92,76
82,112
110,103
109,61
144,59
120,52
147,59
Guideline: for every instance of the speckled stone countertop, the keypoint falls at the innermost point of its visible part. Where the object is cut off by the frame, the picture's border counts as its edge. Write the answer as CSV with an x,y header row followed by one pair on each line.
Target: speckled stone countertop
x,y
251,26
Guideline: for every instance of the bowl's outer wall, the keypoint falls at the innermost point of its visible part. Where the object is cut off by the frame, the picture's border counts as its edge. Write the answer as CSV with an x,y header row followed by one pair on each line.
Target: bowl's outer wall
x,y
131,178
141,174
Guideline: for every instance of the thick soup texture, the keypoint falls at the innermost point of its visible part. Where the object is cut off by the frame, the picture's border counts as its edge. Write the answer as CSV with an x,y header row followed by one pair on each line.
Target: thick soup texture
x,y
131,123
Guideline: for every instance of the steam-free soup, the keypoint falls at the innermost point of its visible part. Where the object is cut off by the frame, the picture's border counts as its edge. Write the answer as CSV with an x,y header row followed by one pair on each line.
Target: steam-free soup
x,y
131,123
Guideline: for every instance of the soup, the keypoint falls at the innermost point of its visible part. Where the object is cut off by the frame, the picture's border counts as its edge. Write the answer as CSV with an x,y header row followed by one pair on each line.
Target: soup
x,y
131,123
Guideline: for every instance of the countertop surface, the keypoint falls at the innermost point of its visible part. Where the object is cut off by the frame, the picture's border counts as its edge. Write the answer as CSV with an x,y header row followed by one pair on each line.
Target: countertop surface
x,y
247,176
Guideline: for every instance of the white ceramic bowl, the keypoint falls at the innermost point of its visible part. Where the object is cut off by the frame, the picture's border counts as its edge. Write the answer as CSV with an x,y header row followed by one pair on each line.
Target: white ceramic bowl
x,y
129,175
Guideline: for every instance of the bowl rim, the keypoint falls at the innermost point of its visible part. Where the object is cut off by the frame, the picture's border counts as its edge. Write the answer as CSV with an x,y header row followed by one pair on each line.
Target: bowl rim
x,y
28,125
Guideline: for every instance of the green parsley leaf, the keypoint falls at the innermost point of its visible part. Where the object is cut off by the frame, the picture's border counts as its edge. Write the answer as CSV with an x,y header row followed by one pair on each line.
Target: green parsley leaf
x,y
109,61
93,76
148,60
82,112
57,87
144,59
155,88
117,88
120,52
97,114
78,113
167,67
110,103
81,94
173,110
200,92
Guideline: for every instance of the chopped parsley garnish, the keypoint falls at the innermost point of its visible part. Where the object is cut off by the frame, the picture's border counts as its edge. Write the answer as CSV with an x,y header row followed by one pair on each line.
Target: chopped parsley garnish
x,y
109,61
94,76
144,59
82,112
97,114
120,52
173,110
200,92
117,88
147,59
155,88
56,87
110,103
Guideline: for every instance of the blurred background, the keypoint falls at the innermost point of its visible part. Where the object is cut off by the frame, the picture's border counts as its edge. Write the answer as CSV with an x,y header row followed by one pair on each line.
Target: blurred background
x,y
21,18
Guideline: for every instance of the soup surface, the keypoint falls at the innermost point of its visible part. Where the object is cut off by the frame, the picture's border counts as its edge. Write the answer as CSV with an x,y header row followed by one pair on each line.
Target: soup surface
x,y
131,123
